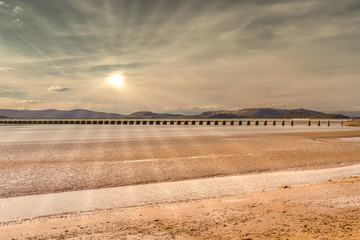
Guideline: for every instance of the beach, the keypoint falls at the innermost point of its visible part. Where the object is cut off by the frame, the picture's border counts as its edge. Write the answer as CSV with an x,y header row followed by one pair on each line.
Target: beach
x,y
36,168
321,211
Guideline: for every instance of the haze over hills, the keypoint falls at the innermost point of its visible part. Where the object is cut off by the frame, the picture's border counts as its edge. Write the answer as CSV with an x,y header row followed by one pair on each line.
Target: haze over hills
x,y
243,113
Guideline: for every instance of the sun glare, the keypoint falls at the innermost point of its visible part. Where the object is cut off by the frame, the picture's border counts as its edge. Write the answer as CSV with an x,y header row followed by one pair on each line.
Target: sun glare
x,y
116,81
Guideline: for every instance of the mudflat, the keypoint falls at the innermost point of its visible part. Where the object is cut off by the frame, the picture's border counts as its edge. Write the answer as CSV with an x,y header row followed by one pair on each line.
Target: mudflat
x,y
45,167
329,210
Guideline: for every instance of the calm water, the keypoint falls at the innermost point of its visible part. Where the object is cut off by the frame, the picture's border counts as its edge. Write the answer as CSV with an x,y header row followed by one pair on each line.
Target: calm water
x,y
33,133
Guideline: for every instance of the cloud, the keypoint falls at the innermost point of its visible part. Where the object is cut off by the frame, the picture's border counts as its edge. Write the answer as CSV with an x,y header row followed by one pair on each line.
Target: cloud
x,y
6,90
18,10
273,105
192,109
186,53
58,89
18,22
31,101
6,69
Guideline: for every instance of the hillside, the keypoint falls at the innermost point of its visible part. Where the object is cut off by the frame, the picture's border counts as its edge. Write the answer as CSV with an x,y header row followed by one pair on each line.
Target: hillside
x,y
3,117
266,113
243,113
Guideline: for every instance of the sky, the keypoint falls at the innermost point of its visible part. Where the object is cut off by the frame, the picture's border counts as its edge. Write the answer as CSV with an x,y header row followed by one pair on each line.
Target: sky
x,y
182,56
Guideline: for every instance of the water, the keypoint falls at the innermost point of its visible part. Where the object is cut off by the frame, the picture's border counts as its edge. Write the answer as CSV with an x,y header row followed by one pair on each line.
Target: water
x,y
56,203
35,133
351,139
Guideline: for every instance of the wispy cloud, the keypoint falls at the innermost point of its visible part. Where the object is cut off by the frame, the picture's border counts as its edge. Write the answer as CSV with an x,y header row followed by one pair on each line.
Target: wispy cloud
x,y
192,109
45,56
58,89
185,53
6,90
17,10
31,101
6,69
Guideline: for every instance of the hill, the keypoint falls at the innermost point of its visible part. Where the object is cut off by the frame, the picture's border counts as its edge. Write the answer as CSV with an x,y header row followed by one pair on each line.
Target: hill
x,y
264,113
243,113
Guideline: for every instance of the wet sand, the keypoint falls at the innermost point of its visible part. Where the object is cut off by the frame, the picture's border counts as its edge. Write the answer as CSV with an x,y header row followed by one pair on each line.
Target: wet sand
x,y
24,207
329,210
29,168
322,211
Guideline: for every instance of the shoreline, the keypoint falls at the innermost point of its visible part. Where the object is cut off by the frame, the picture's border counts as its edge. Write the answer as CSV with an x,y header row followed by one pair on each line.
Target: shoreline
x,y
128,196
54,169
286,213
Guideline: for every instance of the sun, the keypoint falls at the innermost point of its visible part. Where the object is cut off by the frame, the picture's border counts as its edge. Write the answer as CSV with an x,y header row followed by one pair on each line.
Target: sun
x,y
116,80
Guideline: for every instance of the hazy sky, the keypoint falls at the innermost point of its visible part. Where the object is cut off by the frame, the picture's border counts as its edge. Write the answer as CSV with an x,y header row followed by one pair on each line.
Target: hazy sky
x,y
180,55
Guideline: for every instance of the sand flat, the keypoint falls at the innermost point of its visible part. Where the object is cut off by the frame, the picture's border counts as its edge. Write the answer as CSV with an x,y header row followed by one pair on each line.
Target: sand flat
x,y
328,211
18,208
29,168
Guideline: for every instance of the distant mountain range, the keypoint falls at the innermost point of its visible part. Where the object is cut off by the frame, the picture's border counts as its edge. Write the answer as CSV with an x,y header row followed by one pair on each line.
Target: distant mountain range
x,y
243,113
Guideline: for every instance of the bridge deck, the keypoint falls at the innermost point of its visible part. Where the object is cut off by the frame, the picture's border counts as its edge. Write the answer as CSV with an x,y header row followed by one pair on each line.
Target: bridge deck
x,y
256,122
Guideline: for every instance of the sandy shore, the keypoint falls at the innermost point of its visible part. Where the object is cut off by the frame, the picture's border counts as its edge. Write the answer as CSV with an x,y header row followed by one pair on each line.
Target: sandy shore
x,y
322,211
326,211
46,167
